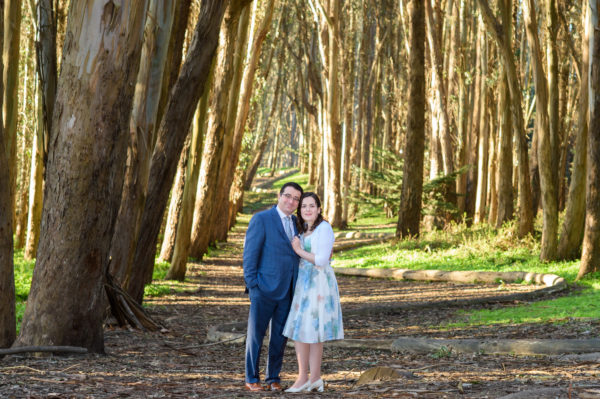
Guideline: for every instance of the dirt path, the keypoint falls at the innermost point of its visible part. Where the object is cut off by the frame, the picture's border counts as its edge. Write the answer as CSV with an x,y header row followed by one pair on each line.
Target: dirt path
x,y
180,363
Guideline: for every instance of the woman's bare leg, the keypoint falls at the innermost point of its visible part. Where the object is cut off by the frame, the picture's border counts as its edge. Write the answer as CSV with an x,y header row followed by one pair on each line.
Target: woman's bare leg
x,y
302,354
314,360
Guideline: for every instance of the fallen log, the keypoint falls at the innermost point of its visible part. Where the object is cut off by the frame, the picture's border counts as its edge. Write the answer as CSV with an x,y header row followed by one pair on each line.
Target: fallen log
x,y
539,393
40,349
503,346
466,276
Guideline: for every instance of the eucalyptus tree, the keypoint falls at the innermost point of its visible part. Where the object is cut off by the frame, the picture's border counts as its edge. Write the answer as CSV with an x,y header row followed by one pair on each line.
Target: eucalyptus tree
x,y
171,135
544,148
232,140
499,32
176,45
8,321
46,26
218,137
142,127
571,234
412,182
181,248
590,254
10,77
247,85
84,174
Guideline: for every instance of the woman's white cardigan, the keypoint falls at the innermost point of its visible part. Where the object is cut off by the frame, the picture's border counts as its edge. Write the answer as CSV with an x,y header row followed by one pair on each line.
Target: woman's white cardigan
x,y
321,243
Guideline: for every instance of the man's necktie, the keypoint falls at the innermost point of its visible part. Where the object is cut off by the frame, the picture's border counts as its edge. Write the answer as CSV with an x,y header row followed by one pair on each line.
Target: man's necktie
x,y
289,230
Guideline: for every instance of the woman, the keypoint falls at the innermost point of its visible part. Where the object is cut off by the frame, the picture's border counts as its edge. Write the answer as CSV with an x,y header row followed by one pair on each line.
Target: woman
x,y
316,314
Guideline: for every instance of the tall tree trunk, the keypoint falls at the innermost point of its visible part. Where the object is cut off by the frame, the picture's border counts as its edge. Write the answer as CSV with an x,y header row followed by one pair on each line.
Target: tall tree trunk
x,y
175,203
46,67
184,226
505,156
572,230
534,169
412,183
216,140
22,195
462,131
500,33
264,128
36,184
230,154
568,99
334,131
590,253
236,192
439,86
174,56
553,93
10,55
548,183
8,322
142,125
173,130
170,74
484,133
493,162
472,119
84,174
347,83
47,75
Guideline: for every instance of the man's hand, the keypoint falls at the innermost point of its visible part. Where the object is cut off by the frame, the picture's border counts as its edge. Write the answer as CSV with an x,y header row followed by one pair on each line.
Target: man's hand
x,y
296,244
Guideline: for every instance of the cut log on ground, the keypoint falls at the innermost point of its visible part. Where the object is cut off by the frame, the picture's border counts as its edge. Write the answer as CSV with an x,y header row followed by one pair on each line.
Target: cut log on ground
x,y
503,346
549,280
42,349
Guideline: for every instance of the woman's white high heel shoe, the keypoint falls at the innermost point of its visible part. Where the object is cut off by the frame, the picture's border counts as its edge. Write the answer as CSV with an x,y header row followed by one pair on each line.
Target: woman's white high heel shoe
x,y
317,385
302,388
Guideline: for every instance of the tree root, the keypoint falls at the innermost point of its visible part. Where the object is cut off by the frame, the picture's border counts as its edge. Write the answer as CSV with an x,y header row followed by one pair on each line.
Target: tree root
x,y
125,309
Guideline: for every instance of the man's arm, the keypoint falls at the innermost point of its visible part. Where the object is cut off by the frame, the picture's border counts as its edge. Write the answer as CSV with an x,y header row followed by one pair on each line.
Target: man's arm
x,y
253,244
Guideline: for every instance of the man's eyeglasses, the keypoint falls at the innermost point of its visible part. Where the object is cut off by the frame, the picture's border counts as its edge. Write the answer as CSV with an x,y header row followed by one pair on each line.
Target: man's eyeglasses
x,y
291,197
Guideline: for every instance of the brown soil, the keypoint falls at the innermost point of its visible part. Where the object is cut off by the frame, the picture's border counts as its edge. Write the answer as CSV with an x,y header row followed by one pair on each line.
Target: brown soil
x,y
180,363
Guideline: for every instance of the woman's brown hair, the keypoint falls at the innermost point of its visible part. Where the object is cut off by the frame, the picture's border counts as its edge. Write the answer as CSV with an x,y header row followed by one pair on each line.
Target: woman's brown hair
x,y
301,223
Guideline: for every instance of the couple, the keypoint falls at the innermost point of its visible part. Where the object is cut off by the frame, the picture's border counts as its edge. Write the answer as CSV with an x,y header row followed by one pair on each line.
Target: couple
x,y
292,285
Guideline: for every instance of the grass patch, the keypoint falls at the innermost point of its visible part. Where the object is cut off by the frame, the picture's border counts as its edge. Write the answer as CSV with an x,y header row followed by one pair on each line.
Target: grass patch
x,y
254,202
301,179
584,305
161,287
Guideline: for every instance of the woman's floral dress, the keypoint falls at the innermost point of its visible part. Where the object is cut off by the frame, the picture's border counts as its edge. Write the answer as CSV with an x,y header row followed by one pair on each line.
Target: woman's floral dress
x,y
316,314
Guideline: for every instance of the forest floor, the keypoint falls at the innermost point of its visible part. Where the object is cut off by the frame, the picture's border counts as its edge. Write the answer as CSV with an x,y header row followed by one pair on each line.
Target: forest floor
x,y
180,362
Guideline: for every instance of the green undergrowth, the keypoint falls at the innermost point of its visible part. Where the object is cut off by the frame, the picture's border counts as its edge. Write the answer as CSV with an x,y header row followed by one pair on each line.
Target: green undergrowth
x,y
161,287
23,275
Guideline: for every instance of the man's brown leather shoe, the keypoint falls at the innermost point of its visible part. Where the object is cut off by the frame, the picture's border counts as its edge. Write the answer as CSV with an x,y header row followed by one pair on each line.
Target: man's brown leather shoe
x,y
254,386
275,386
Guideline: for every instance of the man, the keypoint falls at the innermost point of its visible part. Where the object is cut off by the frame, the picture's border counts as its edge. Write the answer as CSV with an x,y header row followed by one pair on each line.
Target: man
x,y
270,272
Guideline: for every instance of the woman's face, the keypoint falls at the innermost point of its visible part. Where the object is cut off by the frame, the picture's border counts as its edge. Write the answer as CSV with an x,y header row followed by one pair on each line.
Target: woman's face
x,y
309,210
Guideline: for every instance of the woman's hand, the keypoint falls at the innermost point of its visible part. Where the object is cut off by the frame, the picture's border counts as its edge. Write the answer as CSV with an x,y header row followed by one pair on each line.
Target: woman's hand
x,y
297,245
